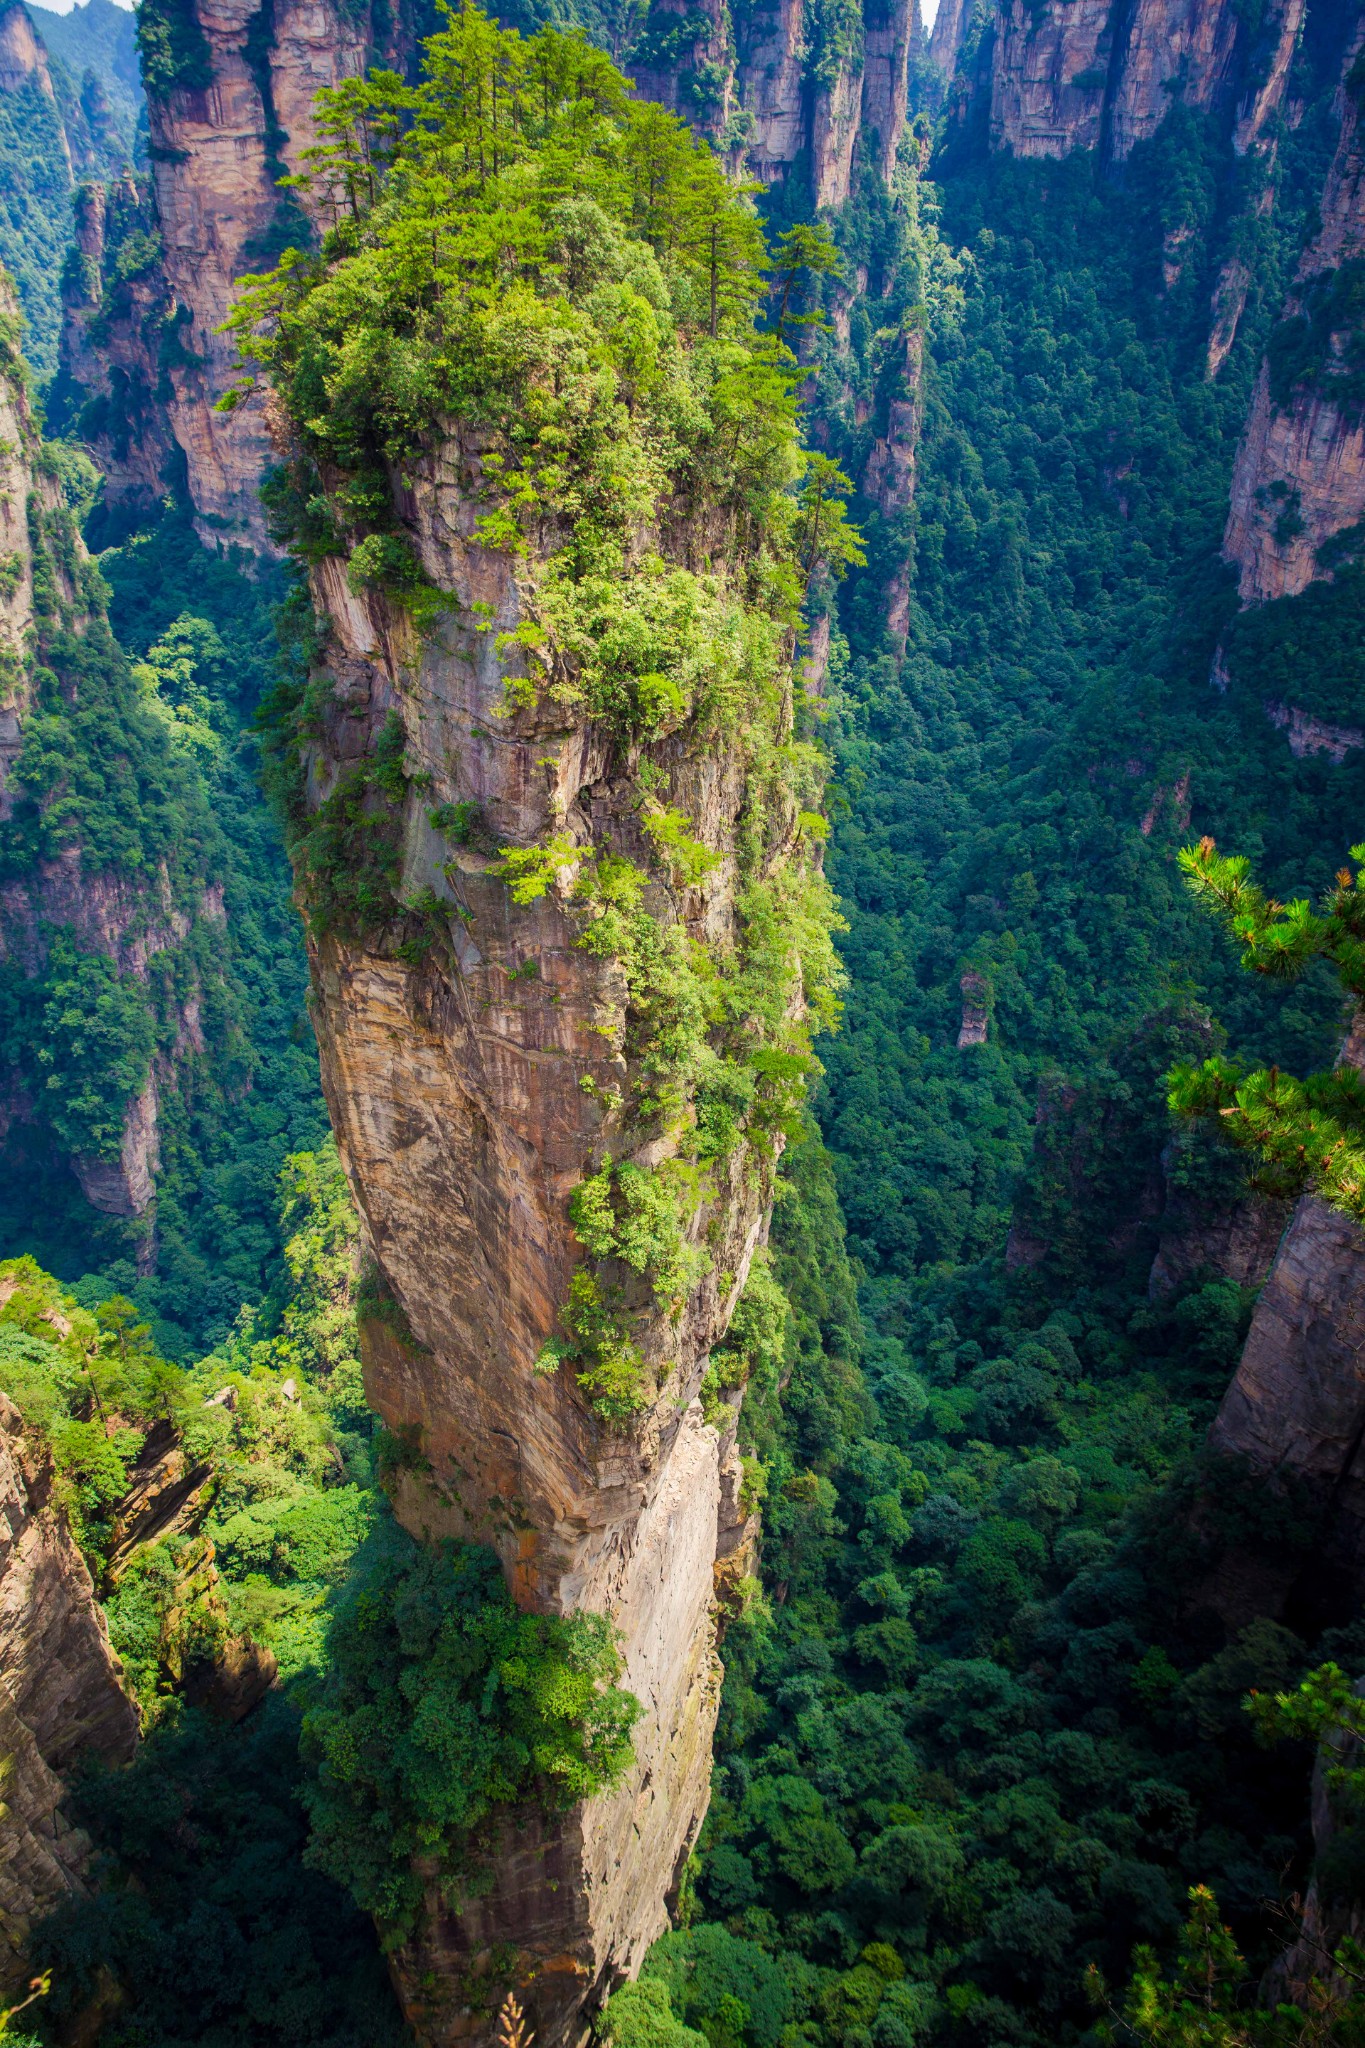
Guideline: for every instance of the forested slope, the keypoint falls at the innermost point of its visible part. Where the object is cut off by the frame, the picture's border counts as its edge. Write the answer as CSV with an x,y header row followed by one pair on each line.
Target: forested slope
x,y
984,1719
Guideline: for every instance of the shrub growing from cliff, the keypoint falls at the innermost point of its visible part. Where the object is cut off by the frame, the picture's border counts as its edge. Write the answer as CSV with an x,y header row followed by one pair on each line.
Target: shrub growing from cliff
x,y
173,48
443,1703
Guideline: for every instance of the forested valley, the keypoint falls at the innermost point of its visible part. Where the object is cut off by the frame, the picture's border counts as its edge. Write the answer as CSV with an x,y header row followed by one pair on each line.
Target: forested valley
x,y
1039,1724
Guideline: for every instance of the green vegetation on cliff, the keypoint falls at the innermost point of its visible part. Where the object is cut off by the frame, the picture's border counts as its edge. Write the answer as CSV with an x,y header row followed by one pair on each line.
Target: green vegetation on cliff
x,y
174,954
529,274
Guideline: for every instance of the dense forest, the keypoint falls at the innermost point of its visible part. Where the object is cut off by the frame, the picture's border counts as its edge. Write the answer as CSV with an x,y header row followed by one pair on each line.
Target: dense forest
x,y
999,1760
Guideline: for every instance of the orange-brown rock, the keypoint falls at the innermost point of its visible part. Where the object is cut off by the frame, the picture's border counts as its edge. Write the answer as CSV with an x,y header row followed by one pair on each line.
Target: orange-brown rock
x,y
1299,478
470,1094
217,153
771,84
60,1692
1048,76
1173,48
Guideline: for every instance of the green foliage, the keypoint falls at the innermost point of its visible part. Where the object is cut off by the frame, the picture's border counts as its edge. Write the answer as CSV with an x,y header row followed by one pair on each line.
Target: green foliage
x,y
82,1384
442,1704
35,202
1201,2004
145,766
640,2016
207,1918
1321,348
95,1051
1305,1133
173,48
348,853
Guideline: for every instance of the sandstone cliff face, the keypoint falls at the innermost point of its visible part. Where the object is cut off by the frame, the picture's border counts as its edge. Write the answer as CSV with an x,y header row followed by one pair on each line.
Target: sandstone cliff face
x,y
23,59
945,37
1297,1403
1079,74
1186,49
216,205
143,391
764,90
889,478
60,1695
1295,1410
116,325
217,151
1048,75
470,1095
1299,479
892,36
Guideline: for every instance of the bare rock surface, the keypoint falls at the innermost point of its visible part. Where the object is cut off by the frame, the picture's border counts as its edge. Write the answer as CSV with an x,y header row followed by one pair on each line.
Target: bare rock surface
x,y
1297,1403
1299,478
60,1692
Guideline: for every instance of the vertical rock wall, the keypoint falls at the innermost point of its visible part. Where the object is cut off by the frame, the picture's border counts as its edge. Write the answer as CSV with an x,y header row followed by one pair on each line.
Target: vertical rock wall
x,y
218,150
1048,74
1072,75
60,1693
470,1094
1300,473
216,155
1295,1411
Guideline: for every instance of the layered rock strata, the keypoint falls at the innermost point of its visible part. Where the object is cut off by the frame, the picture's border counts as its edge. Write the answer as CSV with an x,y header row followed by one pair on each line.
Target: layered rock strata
x,y
151,382
769,91
216,154
1077,74
1299,479
60,1693
471,1092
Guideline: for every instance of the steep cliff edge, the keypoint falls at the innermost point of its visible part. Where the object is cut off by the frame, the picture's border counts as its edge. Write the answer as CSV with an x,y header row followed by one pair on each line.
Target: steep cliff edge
x,y
60,1692
230,87
784,84
1298,488
1077,74
555,842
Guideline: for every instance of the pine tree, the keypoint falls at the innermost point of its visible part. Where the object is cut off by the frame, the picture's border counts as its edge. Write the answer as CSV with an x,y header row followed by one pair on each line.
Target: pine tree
x,y
1309,1133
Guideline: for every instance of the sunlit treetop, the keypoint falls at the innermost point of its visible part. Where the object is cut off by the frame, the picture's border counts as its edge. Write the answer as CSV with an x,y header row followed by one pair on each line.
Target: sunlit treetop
x,y
516,244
